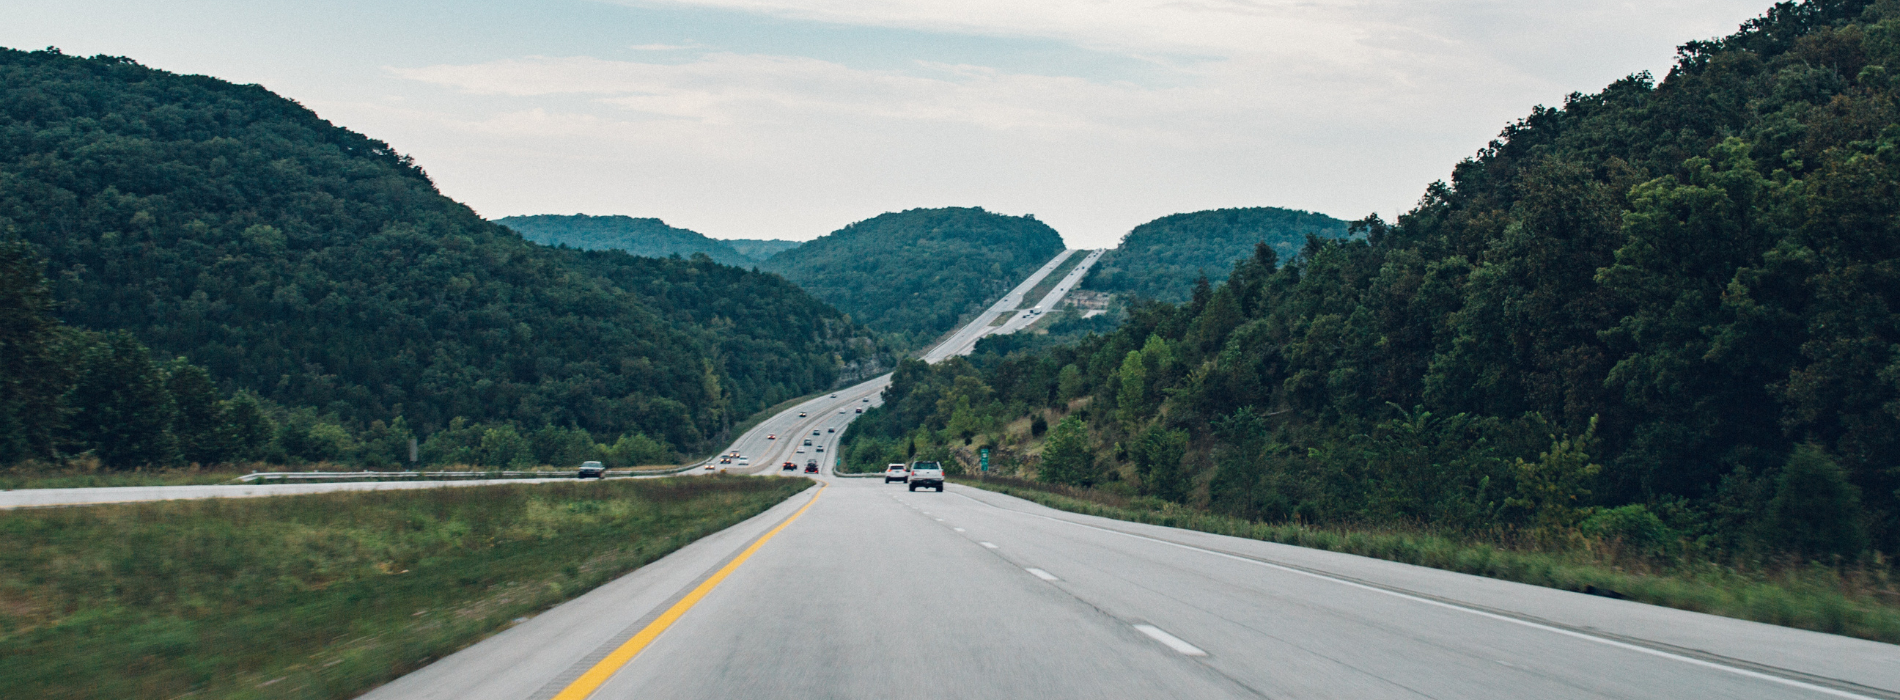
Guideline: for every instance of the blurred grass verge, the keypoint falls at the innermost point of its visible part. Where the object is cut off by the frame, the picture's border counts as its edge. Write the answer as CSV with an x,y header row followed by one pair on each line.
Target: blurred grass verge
x,y
319,596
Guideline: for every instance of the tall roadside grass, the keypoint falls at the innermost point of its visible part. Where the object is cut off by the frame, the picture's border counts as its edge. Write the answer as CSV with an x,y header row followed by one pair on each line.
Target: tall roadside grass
x,y
320,596
1859,602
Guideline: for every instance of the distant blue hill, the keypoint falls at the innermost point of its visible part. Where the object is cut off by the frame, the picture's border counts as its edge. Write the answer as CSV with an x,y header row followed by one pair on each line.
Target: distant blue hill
x,y
640,236
1162,258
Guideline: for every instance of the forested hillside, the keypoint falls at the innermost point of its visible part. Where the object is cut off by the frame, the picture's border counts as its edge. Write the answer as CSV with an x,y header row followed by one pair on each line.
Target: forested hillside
x,y
760,249
915,273
644,237
322,272
1162,259
1663,314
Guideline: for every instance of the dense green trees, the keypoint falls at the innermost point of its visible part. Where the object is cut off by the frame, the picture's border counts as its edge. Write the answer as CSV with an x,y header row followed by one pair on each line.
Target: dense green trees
x,y
68,391
644,237
1664,313
915,273
321,270
1162,259
760,249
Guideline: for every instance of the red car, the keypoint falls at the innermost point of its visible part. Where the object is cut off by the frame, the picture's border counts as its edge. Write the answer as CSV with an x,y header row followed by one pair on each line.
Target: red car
x,y
811,467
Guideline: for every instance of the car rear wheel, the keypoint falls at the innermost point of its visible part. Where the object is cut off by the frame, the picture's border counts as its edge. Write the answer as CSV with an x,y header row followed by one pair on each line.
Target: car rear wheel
x,y
913,488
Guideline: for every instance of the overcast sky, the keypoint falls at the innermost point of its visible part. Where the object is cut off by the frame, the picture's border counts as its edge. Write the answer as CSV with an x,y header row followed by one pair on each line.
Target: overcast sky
x,y
792,118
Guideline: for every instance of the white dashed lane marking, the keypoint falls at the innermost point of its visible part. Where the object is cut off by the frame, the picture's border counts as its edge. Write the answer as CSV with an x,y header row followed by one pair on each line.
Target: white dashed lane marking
x,y
1172,641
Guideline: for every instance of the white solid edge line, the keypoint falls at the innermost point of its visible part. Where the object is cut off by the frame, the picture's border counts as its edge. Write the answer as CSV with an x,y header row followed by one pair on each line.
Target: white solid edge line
x,y
1039,573
1172,641
1745,673
986,544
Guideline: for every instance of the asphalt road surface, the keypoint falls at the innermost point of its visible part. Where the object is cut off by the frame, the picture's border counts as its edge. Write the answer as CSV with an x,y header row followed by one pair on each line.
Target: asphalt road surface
x,y
873,591
1048,303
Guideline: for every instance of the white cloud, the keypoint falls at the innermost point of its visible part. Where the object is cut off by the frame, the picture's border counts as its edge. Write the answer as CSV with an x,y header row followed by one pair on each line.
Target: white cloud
x,y
734,89
1344,107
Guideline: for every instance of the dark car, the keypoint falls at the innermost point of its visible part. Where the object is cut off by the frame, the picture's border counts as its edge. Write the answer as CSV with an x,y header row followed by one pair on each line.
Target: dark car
x,y
811,467
592,469
788,466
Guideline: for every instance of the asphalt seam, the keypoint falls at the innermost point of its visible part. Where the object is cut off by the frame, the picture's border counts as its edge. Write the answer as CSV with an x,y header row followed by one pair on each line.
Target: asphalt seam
x,y
1749,669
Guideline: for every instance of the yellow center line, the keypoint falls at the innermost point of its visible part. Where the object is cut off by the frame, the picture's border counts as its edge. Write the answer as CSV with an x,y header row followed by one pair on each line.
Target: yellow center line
x,y
598,675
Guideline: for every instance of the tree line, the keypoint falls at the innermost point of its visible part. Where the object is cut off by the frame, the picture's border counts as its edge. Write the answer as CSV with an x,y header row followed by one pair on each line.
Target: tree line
x,y
1161,259
1665,314
319,271
644,237
71,393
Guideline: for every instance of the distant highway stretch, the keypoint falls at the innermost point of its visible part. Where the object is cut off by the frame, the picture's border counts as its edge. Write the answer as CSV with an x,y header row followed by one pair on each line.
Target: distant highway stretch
x,y
826,416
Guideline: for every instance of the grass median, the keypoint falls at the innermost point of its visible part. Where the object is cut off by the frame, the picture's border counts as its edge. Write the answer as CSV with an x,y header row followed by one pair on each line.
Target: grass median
x,y
1860,602
320,596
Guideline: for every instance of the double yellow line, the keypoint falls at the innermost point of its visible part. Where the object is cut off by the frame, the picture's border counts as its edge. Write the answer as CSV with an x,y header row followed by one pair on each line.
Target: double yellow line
x,y
598,675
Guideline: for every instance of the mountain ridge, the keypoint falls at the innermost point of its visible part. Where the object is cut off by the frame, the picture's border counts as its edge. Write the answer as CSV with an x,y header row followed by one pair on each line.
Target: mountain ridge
x,y
320,268
915,273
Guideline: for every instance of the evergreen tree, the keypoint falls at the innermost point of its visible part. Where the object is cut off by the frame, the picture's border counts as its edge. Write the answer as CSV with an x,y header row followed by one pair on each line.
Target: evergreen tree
x,y
203,432
1157,457
120,409
251,430
1066,457
1815,510
30,376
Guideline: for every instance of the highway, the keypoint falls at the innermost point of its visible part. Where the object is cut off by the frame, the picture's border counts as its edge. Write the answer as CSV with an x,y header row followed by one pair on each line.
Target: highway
x,y
825,417
1049,301
862,589
876,592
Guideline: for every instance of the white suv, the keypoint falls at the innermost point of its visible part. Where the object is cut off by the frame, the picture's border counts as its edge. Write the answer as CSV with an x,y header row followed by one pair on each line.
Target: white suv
x,y
926,474
895,472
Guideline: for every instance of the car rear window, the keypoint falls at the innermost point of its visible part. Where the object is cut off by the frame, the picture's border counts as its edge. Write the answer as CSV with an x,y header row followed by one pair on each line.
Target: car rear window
x,y
926,465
